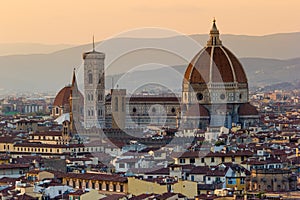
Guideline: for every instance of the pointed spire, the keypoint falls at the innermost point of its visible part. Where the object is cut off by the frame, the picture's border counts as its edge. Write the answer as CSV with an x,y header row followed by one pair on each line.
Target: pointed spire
x,y
214,35
74,77
93,43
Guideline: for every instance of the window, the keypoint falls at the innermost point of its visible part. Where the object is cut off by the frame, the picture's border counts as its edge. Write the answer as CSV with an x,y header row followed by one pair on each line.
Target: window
x,y
181,160
114,187
242,181
99,81
93,185
202,160
199,96
107,187
233,159
99,97
121,165
90,77
192,160
87,184
231,181
116,104
56,111
192,178
212,159
223,159
123,104
121,188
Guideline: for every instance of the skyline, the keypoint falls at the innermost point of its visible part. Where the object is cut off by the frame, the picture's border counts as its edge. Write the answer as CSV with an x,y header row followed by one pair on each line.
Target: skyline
x,y
55,22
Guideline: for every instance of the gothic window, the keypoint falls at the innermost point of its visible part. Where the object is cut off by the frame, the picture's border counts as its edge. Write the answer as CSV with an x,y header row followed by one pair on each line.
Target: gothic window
x,y
92,97
123,104
92,113
89,113
116,104
99,82
90,77
99,97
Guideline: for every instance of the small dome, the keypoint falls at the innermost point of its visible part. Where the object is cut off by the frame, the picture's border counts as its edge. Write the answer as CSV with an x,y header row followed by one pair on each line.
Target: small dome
x,y
247,109
215,64
63,97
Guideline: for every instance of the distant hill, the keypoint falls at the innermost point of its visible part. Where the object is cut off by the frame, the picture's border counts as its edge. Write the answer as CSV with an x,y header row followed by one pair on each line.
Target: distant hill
x,y
30,48
266,59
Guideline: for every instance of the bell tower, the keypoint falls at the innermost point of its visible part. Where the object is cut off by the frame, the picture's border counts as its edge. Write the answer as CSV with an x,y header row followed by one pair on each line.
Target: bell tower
x,y
94,89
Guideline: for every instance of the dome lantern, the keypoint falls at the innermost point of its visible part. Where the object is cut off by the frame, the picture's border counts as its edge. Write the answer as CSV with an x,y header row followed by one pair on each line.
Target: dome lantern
x,y
214,36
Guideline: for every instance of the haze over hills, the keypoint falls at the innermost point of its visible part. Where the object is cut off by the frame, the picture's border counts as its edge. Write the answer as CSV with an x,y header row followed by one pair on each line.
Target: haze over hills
x,y
266,59
30,48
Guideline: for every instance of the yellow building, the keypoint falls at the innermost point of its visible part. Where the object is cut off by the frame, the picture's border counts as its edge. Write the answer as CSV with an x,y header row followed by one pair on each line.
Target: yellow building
x,y
200,158
7,144
138,186
104,183
37,175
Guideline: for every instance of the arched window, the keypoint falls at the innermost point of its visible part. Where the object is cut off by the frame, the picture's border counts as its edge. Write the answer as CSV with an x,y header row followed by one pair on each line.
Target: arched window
x,y
123,104
89,113
99,97
99,82
100,112
92,97
116,104
90,77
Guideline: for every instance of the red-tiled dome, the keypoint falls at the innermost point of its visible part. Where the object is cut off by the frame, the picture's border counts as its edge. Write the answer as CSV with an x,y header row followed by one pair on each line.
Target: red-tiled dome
x,y
215,64
63,97
247,109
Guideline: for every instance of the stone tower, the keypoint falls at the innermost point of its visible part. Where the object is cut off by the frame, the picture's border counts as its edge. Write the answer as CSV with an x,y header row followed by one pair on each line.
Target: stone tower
x,y
94,89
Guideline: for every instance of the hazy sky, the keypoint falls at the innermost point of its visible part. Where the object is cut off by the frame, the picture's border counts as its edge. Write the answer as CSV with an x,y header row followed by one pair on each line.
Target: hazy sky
x,y
75,21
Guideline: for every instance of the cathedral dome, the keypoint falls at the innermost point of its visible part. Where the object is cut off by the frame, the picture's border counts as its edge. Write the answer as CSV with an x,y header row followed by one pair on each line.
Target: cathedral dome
x,y
215,64
63,97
